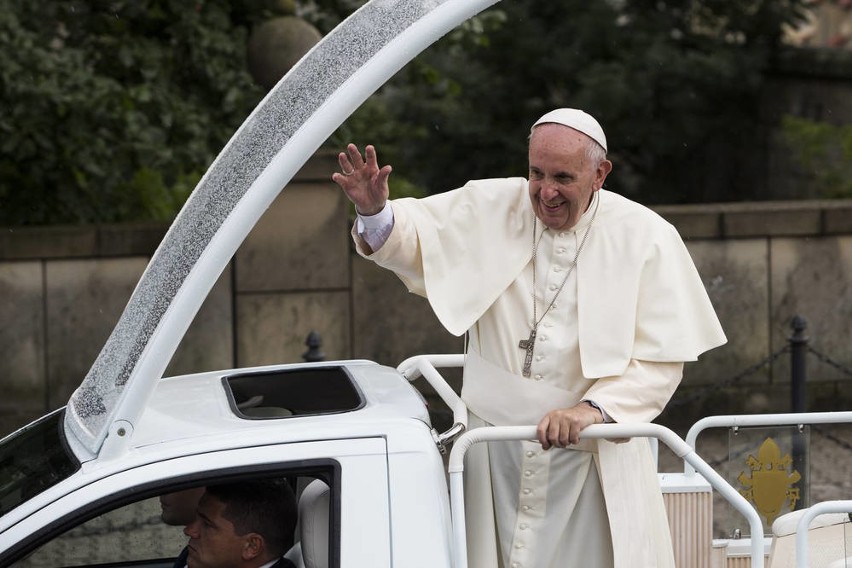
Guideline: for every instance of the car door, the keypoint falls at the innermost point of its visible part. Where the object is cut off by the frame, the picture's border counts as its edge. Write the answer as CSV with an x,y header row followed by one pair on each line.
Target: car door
x,y
114,520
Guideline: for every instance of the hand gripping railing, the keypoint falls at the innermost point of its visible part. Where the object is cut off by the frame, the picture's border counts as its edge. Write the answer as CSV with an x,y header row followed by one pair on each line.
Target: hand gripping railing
x,y
675,443
425,366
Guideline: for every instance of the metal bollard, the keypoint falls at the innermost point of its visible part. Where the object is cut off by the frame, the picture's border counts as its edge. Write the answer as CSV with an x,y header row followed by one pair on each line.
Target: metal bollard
x,y
313,354
798,365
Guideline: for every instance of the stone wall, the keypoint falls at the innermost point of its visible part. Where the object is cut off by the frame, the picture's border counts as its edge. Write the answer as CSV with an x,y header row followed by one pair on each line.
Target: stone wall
x,y
764,263
63,289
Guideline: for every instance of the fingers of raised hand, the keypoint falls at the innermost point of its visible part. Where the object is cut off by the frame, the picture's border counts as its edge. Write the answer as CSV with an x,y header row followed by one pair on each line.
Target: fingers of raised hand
x,y
347,167
354,156
370,156
352,162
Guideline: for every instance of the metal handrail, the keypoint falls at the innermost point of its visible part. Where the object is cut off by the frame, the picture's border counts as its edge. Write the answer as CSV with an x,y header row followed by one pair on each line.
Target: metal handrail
x,y
787,419
426,366
672,440
804,522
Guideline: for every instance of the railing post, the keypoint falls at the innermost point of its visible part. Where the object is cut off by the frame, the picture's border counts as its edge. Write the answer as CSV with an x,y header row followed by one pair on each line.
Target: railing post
x,y
798,365
313,354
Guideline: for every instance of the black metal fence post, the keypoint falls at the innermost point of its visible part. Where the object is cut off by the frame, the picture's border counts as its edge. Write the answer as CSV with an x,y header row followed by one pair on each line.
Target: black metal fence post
x,y
313,354
798,403
798,365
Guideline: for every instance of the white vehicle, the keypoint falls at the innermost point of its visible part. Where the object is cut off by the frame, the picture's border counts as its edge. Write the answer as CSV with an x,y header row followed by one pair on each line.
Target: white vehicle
x,y
352,437
79,487
358,428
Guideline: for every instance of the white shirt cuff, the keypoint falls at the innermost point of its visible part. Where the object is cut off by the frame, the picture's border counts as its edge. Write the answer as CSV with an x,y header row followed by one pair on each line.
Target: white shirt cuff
x,y
606,417
375,229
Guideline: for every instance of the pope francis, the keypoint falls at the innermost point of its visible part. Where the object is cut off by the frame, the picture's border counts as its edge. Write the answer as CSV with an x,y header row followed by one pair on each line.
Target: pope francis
x,y
580,307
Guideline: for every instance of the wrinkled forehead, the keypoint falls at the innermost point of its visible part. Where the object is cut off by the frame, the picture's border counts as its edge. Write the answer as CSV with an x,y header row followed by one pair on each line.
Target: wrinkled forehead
x,y
555,140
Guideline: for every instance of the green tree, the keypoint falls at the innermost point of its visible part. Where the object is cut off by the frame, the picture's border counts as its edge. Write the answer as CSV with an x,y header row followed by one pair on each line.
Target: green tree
x,y
112,110
824,153
674,82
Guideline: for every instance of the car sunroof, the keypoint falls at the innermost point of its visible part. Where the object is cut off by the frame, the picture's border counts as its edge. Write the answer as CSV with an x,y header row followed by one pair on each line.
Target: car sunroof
x,y
293,392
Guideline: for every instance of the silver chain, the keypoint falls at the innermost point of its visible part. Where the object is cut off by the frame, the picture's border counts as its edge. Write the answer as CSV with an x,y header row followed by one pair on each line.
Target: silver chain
x,y
537,320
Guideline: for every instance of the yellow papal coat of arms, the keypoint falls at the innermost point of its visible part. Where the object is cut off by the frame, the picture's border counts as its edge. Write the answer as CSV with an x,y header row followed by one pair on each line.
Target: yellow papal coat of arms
x,y
769,483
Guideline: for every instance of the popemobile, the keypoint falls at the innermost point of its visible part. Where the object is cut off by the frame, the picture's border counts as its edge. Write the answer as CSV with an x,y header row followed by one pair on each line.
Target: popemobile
x,y
80,486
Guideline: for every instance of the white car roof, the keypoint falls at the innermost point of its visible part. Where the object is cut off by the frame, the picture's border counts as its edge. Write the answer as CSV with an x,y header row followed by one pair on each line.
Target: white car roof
x,y
191,407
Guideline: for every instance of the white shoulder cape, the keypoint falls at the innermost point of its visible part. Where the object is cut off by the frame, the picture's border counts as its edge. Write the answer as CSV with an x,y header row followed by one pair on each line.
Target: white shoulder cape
x,y
639,294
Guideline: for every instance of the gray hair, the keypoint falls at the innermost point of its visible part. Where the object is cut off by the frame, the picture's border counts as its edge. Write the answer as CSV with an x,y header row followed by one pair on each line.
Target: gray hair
x,y
595,152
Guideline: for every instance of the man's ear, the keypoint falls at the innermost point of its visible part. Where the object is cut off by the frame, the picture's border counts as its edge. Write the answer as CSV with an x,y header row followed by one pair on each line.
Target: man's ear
x,y
603,170
253,546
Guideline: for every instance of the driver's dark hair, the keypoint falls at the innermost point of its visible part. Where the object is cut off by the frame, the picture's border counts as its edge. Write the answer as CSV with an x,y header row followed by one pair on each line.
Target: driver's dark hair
x,y
264,506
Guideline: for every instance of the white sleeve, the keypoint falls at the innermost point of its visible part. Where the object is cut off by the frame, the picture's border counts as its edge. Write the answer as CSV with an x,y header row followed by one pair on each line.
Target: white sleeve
x,y
640,394
375,229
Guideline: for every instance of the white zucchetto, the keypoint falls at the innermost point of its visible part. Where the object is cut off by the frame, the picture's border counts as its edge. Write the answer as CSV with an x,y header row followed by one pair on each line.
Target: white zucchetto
x,y
576,119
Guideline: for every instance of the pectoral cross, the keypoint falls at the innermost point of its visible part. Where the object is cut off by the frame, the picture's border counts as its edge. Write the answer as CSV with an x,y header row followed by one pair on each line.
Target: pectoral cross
x,y
528,344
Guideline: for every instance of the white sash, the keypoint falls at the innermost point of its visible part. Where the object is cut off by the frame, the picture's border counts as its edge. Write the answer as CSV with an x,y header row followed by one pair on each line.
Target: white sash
x,y
502,398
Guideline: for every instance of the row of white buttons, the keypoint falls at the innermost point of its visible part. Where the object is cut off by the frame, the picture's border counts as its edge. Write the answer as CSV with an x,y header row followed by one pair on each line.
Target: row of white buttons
x,y
525,507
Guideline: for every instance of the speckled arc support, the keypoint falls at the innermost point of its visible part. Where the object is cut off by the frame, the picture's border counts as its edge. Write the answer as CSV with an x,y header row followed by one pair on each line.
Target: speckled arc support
x,y
315,90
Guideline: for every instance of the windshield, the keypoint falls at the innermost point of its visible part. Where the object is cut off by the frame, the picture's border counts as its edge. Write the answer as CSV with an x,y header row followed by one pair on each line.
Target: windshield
x,y
34,459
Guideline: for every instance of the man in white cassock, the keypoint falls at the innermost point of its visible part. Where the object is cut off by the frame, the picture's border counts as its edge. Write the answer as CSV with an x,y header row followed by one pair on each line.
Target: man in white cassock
x,y
581,307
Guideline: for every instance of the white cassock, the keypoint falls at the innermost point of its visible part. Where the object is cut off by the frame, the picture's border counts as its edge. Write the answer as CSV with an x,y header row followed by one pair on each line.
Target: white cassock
x,y
629,315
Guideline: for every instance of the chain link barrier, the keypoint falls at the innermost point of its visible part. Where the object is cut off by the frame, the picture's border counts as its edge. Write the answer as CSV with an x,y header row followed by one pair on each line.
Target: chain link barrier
x,y
845,370
829,361
704,391
829,436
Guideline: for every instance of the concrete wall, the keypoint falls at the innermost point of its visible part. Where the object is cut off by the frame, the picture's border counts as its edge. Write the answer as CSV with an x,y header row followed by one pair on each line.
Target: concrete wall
x,y
63,289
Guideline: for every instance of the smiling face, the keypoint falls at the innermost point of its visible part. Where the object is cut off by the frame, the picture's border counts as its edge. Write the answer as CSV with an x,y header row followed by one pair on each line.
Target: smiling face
x,y
562,176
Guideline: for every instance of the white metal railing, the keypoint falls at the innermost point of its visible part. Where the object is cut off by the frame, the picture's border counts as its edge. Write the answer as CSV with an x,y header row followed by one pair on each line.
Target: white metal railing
x,y
675,443
804,522
788,419
425,366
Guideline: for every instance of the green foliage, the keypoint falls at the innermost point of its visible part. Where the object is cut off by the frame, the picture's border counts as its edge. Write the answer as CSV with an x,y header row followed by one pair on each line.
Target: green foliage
x,y
672,82
824,152
112,110
325,15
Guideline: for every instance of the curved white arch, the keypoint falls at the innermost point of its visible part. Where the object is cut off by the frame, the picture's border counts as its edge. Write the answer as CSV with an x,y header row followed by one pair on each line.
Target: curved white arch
x,y
285,129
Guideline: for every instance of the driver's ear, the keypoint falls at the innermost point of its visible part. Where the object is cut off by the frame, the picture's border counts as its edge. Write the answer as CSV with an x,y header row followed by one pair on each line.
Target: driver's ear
x,y
253,546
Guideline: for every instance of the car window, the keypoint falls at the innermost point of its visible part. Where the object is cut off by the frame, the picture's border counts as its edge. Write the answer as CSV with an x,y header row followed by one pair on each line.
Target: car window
x,y
130,533
135,534
33,459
